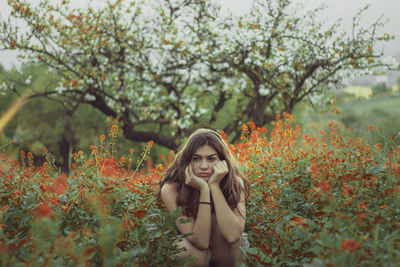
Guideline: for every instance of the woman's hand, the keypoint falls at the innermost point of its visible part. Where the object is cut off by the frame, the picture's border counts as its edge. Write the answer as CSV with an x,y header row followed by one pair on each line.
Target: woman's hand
x,y
192,180
220,170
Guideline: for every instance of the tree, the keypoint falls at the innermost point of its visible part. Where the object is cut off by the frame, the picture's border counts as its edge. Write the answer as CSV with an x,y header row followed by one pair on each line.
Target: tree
x,y
164,67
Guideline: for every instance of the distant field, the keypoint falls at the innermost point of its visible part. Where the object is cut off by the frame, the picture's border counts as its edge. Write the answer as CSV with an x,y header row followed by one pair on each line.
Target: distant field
x,y
357,115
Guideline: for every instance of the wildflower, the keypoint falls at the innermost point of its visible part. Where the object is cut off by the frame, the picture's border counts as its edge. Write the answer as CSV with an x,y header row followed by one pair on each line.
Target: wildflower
x,y
252,125
94,149
371,127
13,141
43,210
131,150
322,132
114,128
323,186
379,146
150,143
122,160
244,128
394,136
331,124
59,185
350,245
296,220
102,137
270,198
223,134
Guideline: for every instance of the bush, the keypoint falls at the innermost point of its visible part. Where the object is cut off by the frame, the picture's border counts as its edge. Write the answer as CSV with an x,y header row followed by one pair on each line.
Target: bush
x,y
332,201
314,201
103,214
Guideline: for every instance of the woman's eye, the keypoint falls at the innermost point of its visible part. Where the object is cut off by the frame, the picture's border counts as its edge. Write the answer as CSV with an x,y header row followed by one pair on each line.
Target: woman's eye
x,y
196,159
212,159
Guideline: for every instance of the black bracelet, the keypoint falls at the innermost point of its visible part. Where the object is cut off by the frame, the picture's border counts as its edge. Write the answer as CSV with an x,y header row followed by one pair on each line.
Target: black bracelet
x,y
202,202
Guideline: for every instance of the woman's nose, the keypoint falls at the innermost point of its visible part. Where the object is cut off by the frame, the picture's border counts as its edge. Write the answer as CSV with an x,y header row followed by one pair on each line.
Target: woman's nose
x,y
203,165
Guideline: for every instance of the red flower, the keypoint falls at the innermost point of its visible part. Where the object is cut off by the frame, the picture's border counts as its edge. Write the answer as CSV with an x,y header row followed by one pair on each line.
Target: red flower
x,y
350,245
59,185
371,127
331,124
323,186
43,210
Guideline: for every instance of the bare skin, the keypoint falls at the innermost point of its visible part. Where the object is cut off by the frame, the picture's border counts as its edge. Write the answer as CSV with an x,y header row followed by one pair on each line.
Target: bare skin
x,y
215,236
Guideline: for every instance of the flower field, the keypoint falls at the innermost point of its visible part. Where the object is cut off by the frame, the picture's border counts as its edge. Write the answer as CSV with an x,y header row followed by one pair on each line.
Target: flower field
x,y
327,200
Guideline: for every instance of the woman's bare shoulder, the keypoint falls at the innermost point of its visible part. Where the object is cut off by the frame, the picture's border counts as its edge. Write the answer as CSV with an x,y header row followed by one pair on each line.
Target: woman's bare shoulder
x,y
169,189
169,194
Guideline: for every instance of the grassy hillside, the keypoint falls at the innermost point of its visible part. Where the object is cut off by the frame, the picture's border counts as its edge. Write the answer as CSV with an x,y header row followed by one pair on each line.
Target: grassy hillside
x,y
357,115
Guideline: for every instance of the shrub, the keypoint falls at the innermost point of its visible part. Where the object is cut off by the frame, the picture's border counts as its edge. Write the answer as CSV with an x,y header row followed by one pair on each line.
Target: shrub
x,y
103,214
329,201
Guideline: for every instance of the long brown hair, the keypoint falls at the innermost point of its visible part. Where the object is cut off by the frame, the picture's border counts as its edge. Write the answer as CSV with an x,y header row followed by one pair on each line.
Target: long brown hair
x,y
188,197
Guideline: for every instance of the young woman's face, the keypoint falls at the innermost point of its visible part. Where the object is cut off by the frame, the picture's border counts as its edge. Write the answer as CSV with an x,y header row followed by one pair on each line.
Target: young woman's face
x,y
203,161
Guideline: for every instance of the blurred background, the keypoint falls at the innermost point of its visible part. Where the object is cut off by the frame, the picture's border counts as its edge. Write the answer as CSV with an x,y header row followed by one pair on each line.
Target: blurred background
x,y
363,101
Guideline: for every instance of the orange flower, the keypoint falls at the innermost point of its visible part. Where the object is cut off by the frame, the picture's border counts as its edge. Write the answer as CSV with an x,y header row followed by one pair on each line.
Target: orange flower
x,y
371,127
13,141
102,137
322,132
244,128
73,166
114,128
94,149
150,143
131,150
331,124
350,245
296,220
379,146
252,125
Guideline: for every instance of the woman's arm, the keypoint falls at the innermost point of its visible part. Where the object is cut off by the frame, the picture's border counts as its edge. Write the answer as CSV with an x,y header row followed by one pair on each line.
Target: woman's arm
x,y
230,222
201,227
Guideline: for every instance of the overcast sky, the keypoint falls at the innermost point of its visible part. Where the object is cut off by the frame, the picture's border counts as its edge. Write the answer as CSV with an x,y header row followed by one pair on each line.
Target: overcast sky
x,y
344,9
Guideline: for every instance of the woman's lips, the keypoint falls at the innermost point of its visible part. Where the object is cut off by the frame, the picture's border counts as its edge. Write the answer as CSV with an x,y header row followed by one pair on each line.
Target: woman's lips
x,y
204,175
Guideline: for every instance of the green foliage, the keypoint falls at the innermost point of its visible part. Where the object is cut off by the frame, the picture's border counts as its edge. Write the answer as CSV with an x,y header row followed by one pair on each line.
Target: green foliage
x,y
356,116
320,202
312,201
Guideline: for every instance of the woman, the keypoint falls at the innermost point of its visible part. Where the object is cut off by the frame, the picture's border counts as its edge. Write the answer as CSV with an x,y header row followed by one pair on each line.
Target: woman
x,y
205,182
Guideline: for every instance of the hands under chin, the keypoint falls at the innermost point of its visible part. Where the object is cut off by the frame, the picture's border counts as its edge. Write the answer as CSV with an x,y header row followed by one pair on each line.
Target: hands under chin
x,y
193,181
220,170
